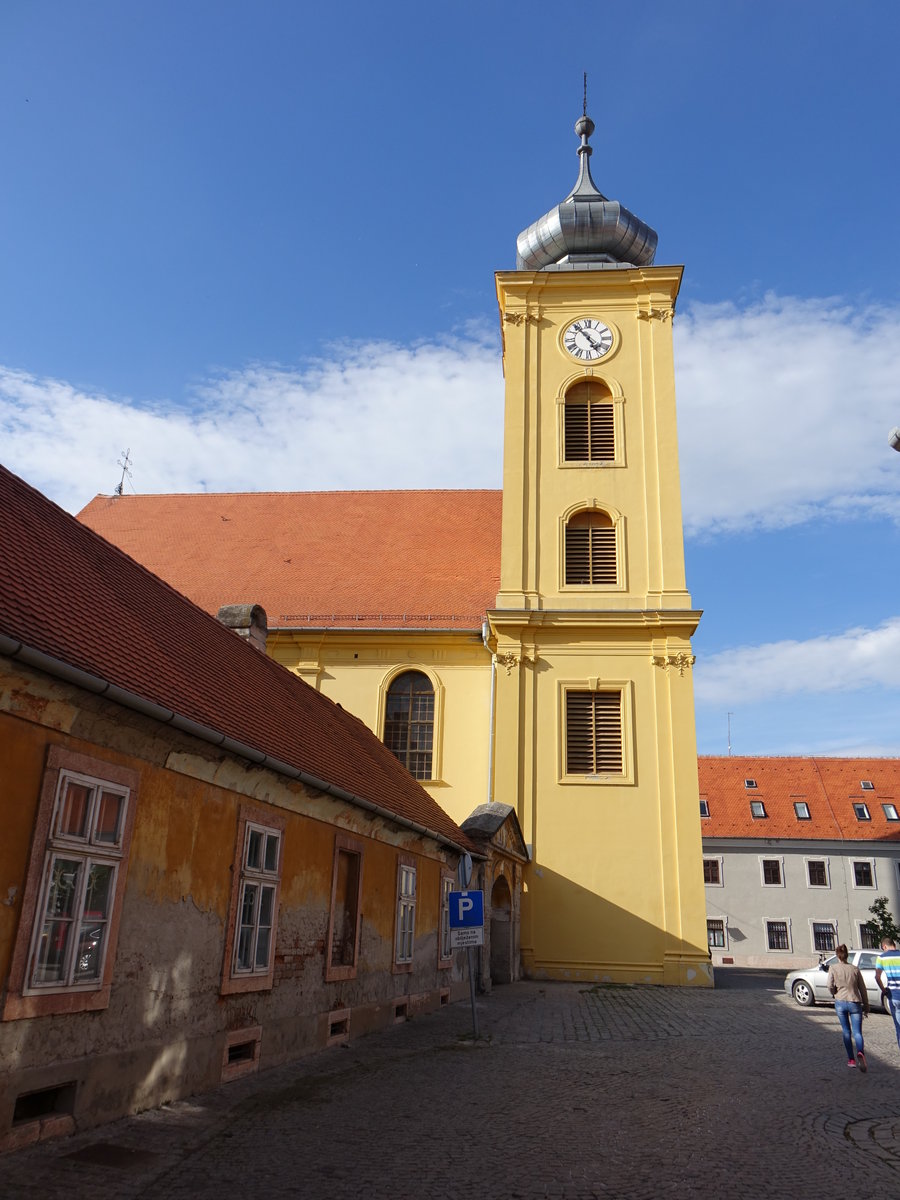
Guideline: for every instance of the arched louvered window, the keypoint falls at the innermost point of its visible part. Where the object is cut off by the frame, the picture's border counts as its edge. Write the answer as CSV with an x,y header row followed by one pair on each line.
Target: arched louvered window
x,y
589,424
591,549
594,733
409,722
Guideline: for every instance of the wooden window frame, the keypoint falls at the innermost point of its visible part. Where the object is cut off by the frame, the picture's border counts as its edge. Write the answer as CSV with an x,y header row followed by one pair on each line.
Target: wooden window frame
x,y
407,903
23,999
625,690
344,843
445,950
713,861
779,863
863,862
808,863
251,817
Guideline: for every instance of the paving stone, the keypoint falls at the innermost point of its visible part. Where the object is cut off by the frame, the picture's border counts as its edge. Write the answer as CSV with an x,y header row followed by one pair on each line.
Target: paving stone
x,y
573,1092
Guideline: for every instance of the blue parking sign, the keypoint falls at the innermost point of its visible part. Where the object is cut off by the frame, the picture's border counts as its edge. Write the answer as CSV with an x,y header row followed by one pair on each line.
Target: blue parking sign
x,y
466,910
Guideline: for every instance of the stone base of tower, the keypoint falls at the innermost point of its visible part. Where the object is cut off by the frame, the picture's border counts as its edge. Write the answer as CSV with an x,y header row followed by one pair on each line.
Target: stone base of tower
x,y
676,970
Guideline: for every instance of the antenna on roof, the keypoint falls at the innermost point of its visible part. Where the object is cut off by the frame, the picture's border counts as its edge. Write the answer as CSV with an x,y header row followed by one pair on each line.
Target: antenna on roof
x,y
730,715
125,463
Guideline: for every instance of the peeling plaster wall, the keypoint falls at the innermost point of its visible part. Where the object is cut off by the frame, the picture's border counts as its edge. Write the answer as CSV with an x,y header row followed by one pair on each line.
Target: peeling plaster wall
x,y
163,1034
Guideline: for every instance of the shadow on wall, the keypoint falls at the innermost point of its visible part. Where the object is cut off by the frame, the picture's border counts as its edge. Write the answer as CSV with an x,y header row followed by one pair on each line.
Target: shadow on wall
x,y
590,937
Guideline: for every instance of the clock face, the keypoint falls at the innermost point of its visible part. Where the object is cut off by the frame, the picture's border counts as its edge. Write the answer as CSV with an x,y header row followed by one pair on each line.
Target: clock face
x,y
588,339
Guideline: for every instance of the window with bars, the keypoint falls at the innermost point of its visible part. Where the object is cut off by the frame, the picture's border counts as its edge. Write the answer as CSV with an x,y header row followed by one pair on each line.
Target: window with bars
x,y
868,938
588,424
824,936
590,550
406,914
777,935
817,872
594,733
715,933
409,722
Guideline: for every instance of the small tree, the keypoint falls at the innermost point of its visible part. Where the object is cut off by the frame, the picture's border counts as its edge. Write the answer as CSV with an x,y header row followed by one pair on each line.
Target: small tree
x,y
882,923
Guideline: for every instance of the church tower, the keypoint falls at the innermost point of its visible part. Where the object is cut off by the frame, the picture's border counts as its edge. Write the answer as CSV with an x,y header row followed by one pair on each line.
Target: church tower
x,y
595,742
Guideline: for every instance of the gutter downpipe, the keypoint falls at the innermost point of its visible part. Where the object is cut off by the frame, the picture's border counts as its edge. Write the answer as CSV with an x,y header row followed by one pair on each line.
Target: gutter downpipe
x,y
485,634
11,648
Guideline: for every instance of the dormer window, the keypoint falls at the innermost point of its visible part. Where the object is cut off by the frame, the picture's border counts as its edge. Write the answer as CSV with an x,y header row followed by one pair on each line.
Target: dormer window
x,y
757,810
867,785
749,783
862,812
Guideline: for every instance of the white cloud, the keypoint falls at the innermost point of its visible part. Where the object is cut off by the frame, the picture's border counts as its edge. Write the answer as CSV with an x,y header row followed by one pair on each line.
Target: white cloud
x,y
369,416
784,413
851,661
784,410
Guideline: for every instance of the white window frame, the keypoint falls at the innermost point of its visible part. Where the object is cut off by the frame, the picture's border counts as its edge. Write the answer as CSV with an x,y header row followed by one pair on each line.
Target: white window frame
x,y
786,921
89,852
764,858
758,816
893,810
266,881
866,815
405,931
720,862
863,887
704,807
723,949
816,858
798,804
832,921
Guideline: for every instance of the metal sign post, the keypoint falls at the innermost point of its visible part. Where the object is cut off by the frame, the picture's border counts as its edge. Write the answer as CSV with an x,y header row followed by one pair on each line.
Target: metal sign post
x,y
467,929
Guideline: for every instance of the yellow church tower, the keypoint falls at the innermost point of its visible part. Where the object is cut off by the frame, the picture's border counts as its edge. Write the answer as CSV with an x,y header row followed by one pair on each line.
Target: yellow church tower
x,y
595,743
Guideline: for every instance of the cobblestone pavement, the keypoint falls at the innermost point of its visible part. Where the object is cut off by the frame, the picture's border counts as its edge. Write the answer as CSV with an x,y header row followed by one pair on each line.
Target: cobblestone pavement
x,y
571,1092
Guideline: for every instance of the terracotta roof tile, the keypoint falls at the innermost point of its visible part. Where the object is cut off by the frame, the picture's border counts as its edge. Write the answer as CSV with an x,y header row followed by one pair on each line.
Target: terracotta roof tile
x,y
395,559
70,594
829,786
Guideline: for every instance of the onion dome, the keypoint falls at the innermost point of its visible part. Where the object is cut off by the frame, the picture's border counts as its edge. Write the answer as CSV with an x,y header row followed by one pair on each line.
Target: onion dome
x,y
585,231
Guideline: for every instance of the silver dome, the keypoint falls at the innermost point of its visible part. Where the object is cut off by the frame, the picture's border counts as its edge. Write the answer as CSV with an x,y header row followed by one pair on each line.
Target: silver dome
x,y
586,230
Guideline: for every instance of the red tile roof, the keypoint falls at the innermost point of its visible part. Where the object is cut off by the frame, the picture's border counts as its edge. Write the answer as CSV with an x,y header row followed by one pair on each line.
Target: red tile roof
x,y
830,786
410,559
68,593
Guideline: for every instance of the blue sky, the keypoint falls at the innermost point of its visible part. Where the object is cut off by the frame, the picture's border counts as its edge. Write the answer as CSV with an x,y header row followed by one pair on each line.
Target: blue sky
x,y
251,241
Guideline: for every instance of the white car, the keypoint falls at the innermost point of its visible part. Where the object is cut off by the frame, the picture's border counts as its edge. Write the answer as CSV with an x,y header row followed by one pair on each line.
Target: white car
x,y
811,985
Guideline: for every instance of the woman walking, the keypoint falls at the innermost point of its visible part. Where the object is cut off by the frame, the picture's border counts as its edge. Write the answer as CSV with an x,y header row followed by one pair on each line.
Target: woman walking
x,y
851,1000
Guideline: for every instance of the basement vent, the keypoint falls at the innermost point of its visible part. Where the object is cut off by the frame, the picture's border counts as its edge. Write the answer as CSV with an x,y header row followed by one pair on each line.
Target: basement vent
x,y
31,1106
401,1011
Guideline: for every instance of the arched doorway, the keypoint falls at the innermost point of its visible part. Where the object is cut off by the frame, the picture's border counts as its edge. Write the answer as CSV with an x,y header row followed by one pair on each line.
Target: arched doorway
x,y
501,931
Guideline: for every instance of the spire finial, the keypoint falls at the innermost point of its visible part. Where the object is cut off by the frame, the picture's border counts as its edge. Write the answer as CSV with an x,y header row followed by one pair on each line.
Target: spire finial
x,y
584,107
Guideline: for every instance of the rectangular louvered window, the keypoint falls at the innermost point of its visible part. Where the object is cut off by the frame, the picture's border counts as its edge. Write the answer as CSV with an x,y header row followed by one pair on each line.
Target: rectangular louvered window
x,y
594,733
590,551
589,432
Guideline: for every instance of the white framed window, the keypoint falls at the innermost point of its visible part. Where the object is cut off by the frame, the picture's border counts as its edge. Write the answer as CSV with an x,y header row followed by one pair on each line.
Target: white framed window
x,y
890,812
405,932
801,810
750,784
757,810
84,850
818,872
863,872
778,934
704,808
254,944
772,872
712,872
824,936
861,811
445,950
717,933
867,785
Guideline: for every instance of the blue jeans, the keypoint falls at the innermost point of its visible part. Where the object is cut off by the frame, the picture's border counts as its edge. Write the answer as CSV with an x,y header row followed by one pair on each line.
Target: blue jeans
x,y
850,1015
894,1009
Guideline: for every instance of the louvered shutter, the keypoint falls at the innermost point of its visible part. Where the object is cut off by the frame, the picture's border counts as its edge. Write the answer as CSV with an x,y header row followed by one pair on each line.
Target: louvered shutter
x,y
590,550
593,733
589,424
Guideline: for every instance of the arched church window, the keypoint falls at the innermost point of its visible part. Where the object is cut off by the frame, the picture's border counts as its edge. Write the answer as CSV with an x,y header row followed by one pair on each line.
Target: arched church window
x,y
409,722
591,549
589,423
